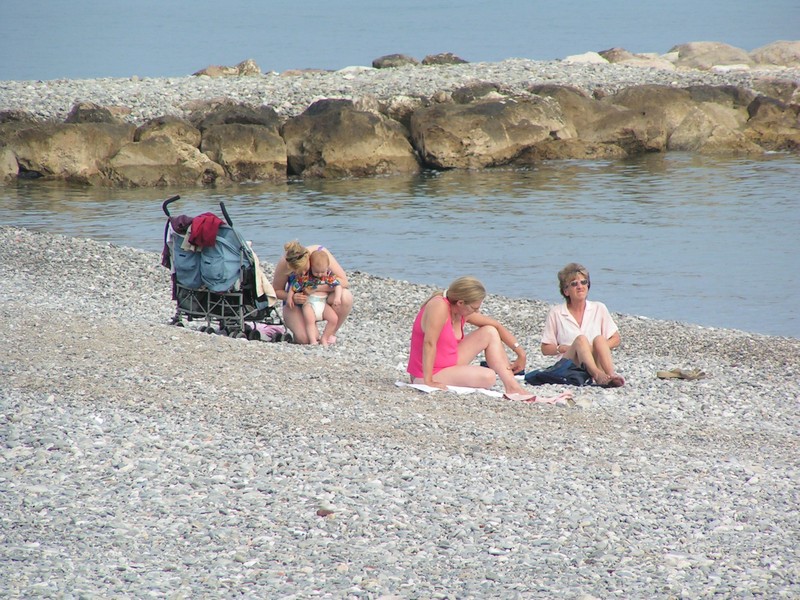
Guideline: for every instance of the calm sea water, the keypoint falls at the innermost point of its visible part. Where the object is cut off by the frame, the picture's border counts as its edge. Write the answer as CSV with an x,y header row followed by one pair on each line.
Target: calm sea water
x,y
52,39
669,236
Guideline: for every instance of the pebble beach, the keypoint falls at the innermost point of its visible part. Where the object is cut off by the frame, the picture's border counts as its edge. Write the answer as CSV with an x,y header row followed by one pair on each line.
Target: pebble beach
x,y
143,460
139,459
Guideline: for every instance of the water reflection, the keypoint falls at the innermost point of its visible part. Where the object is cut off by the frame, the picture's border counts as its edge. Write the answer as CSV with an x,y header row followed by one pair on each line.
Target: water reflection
x,y
670,236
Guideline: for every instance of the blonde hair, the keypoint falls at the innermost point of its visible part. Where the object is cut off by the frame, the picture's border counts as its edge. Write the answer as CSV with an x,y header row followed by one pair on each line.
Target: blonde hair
x,y
297,256
466,288
319,258
568,273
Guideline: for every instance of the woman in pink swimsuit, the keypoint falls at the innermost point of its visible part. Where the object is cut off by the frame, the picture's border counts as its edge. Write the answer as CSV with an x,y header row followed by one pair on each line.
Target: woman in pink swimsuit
x,y
441,352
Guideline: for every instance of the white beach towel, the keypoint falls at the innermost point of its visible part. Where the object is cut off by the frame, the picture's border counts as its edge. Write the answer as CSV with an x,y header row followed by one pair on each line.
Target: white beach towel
x,y
450,388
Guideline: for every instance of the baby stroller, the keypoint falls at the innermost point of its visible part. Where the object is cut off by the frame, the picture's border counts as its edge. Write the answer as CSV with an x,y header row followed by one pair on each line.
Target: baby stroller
x,y
216,277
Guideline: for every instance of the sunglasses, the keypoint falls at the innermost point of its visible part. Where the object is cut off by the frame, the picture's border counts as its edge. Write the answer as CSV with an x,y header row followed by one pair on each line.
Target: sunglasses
x,y
579,282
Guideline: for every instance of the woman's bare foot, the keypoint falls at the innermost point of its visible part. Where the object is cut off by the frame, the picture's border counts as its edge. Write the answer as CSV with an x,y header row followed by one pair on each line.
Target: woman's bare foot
x,y
601,378
615,381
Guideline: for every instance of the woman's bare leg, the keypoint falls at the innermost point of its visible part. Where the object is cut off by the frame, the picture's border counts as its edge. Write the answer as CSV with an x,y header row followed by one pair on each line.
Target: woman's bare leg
x,y
294,322
582,353
602,355
466,376
487,340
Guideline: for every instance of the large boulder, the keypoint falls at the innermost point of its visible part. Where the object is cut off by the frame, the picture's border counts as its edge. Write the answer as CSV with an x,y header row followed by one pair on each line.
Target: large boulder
x,y
161,162
735,97
568,149
702,118
711,129
785,90
18,116
580,111
171,127
9,168
781,53
773,125
400,108
89,112
633,131
242,114
706,55
246,152
486,133
66,151
331,138
657,102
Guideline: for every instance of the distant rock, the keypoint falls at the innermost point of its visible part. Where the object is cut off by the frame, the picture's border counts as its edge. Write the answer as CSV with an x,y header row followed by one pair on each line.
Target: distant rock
x,y
445,58
88,112
649,61
705,55
246,68
391,61
586,58
781,53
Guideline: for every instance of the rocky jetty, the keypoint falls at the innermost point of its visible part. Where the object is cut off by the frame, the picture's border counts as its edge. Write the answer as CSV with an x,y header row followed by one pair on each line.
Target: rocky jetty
x,y
226,125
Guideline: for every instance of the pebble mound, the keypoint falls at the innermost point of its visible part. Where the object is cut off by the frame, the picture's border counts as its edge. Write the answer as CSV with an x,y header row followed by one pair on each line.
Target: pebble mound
x,y
139,459
291,93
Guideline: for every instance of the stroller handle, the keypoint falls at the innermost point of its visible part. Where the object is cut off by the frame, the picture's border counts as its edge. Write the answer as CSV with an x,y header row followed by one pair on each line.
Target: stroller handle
x,y
167,202
225,214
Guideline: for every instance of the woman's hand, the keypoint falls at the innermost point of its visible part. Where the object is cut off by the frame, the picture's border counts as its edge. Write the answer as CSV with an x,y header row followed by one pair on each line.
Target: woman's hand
x,y
435,384
297,299
519,363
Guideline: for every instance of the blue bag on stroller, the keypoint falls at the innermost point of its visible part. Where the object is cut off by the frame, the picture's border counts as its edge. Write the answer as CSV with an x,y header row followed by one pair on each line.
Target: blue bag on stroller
x,y
220,282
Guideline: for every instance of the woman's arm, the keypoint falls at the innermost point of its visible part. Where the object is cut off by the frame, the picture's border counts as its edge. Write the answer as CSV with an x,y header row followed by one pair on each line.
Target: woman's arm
x,y
508,338
550,335
280,277
614,341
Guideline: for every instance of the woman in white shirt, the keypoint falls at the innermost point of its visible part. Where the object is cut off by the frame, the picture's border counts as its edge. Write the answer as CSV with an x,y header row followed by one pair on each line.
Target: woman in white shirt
x,y
582,330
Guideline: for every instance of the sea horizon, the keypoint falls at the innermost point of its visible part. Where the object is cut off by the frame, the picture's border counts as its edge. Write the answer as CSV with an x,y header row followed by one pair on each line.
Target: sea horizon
x,y
111,39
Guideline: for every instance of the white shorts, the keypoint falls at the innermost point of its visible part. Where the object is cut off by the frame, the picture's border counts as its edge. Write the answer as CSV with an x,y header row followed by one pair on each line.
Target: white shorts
x,y
318,304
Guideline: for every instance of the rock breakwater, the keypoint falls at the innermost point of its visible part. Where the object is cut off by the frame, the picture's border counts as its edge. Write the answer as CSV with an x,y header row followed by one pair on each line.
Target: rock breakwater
x,y
202,130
